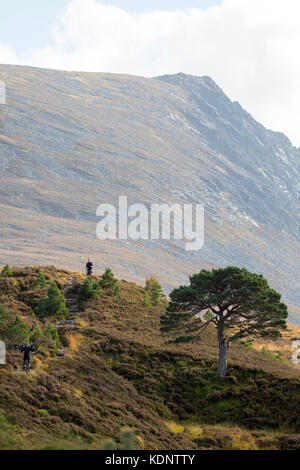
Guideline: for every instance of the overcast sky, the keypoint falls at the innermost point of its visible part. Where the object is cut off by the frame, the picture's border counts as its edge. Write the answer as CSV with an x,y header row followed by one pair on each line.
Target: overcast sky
x,y
249,47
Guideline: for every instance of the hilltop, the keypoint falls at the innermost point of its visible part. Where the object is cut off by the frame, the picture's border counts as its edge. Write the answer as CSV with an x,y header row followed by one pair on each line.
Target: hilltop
x,y
70,141
113,368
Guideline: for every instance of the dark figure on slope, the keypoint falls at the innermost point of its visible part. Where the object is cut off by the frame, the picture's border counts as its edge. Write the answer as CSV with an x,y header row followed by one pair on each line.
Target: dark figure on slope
x,y
89,268
27,349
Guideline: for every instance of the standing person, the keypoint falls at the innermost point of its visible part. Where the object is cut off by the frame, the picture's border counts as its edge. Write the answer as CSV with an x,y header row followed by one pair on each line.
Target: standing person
x,y
27,349
89,267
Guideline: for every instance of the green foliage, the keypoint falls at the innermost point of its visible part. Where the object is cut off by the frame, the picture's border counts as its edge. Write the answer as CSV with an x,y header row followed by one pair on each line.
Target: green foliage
x,y
89,289
7,271
208,315
51,334
240,300
267,353
5,317
12,331
16,332
36,334
146,299
41,280
127,441
154,290
42,413
9,436
244,300
54,304
109,445
108,281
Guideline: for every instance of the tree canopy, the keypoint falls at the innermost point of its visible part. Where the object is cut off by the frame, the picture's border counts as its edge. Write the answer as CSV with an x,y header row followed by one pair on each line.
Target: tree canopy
x,y
242,303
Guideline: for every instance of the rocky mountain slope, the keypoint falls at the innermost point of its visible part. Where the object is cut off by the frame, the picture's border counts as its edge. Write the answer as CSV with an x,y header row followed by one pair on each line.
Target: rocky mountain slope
x,y
107,374
71,141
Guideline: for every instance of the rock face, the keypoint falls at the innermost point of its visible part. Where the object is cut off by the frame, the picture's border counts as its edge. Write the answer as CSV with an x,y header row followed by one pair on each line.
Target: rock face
x,y
71,141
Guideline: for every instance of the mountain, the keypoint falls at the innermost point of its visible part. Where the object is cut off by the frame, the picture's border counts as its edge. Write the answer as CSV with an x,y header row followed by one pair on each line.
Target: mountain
x,y
71,141
107,374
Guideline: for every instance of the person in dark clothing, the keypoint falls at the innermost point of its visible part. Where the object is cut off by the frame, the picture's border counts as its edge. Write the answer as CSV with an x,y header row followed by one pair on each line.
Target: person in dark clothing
x,y
27,349
89,268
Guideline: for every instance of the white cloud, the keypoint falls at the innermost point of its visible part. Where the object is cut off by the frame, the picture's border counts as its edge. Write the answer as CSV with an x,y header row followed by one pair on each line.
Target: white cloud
x,y
249,47
7,56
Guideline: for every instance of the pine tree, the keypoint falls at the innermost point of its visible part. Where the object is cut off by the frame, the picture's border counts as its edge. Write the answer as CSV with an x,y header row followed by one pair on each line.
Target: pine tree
x,y
89,289
108,281
7,271
154,290
41,280
51,334
146,299
54,304
241,303
12,330
36,334
16,332
5,320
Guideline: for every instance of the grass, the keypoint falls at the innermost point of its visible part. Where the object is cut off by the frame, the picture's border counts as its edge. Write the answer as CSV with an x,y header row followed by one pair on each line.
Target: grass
x,y
114,376
174,427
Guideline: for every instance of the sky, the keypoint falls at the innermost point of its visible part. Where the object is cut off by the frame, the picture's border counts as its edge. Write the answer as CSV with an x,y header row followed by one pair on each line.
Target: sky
x,y
249,47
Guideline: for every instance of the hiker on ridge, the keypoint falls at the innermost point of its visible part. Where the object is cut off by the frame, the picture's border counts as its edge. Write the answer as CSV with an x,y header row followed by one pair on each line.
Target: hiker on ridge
x,y
89,268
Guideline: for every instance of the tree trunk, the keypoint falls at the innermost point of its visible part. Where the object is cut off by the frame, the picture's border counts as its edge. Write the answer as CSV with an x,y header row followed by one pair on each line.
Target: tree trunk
x,y
223,348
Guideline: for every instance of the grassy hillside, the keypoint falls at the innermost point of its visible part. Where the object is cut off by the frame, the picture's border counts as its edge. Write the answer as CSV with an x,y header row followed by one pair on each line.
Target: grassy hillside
x,y
113,368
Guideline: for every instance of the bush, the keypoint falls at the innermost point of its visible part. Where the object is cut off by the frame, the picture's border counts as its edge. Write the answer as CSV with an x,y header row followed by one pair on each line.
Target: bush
x,y
154,290
54,304
128,439
89,289
51,334
36,334
12,331
5,319
7,271
41,280
108,281
16,332
146,299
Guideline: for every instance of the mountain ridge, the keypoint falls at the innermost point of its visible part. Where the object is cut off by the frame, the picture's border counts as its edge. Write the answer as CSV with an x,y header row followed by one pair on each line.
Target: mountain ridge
x,y
72,140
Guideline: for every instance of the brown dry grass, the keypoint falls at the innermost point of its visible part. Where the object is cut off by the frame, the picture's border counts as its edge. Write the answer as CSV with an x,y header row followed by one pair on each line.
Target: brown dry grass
x,y
120,371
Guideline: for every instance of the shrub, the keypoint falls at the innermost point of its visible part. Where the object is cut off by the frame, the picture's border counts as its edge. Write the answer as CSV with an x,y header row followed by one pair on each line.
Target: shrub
x,y
89,289
127,441
54,304
146,299
12,330
16,332
108,281
154,290
41,280
7,271
5,319
174,427
51,334
36,334
42,413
